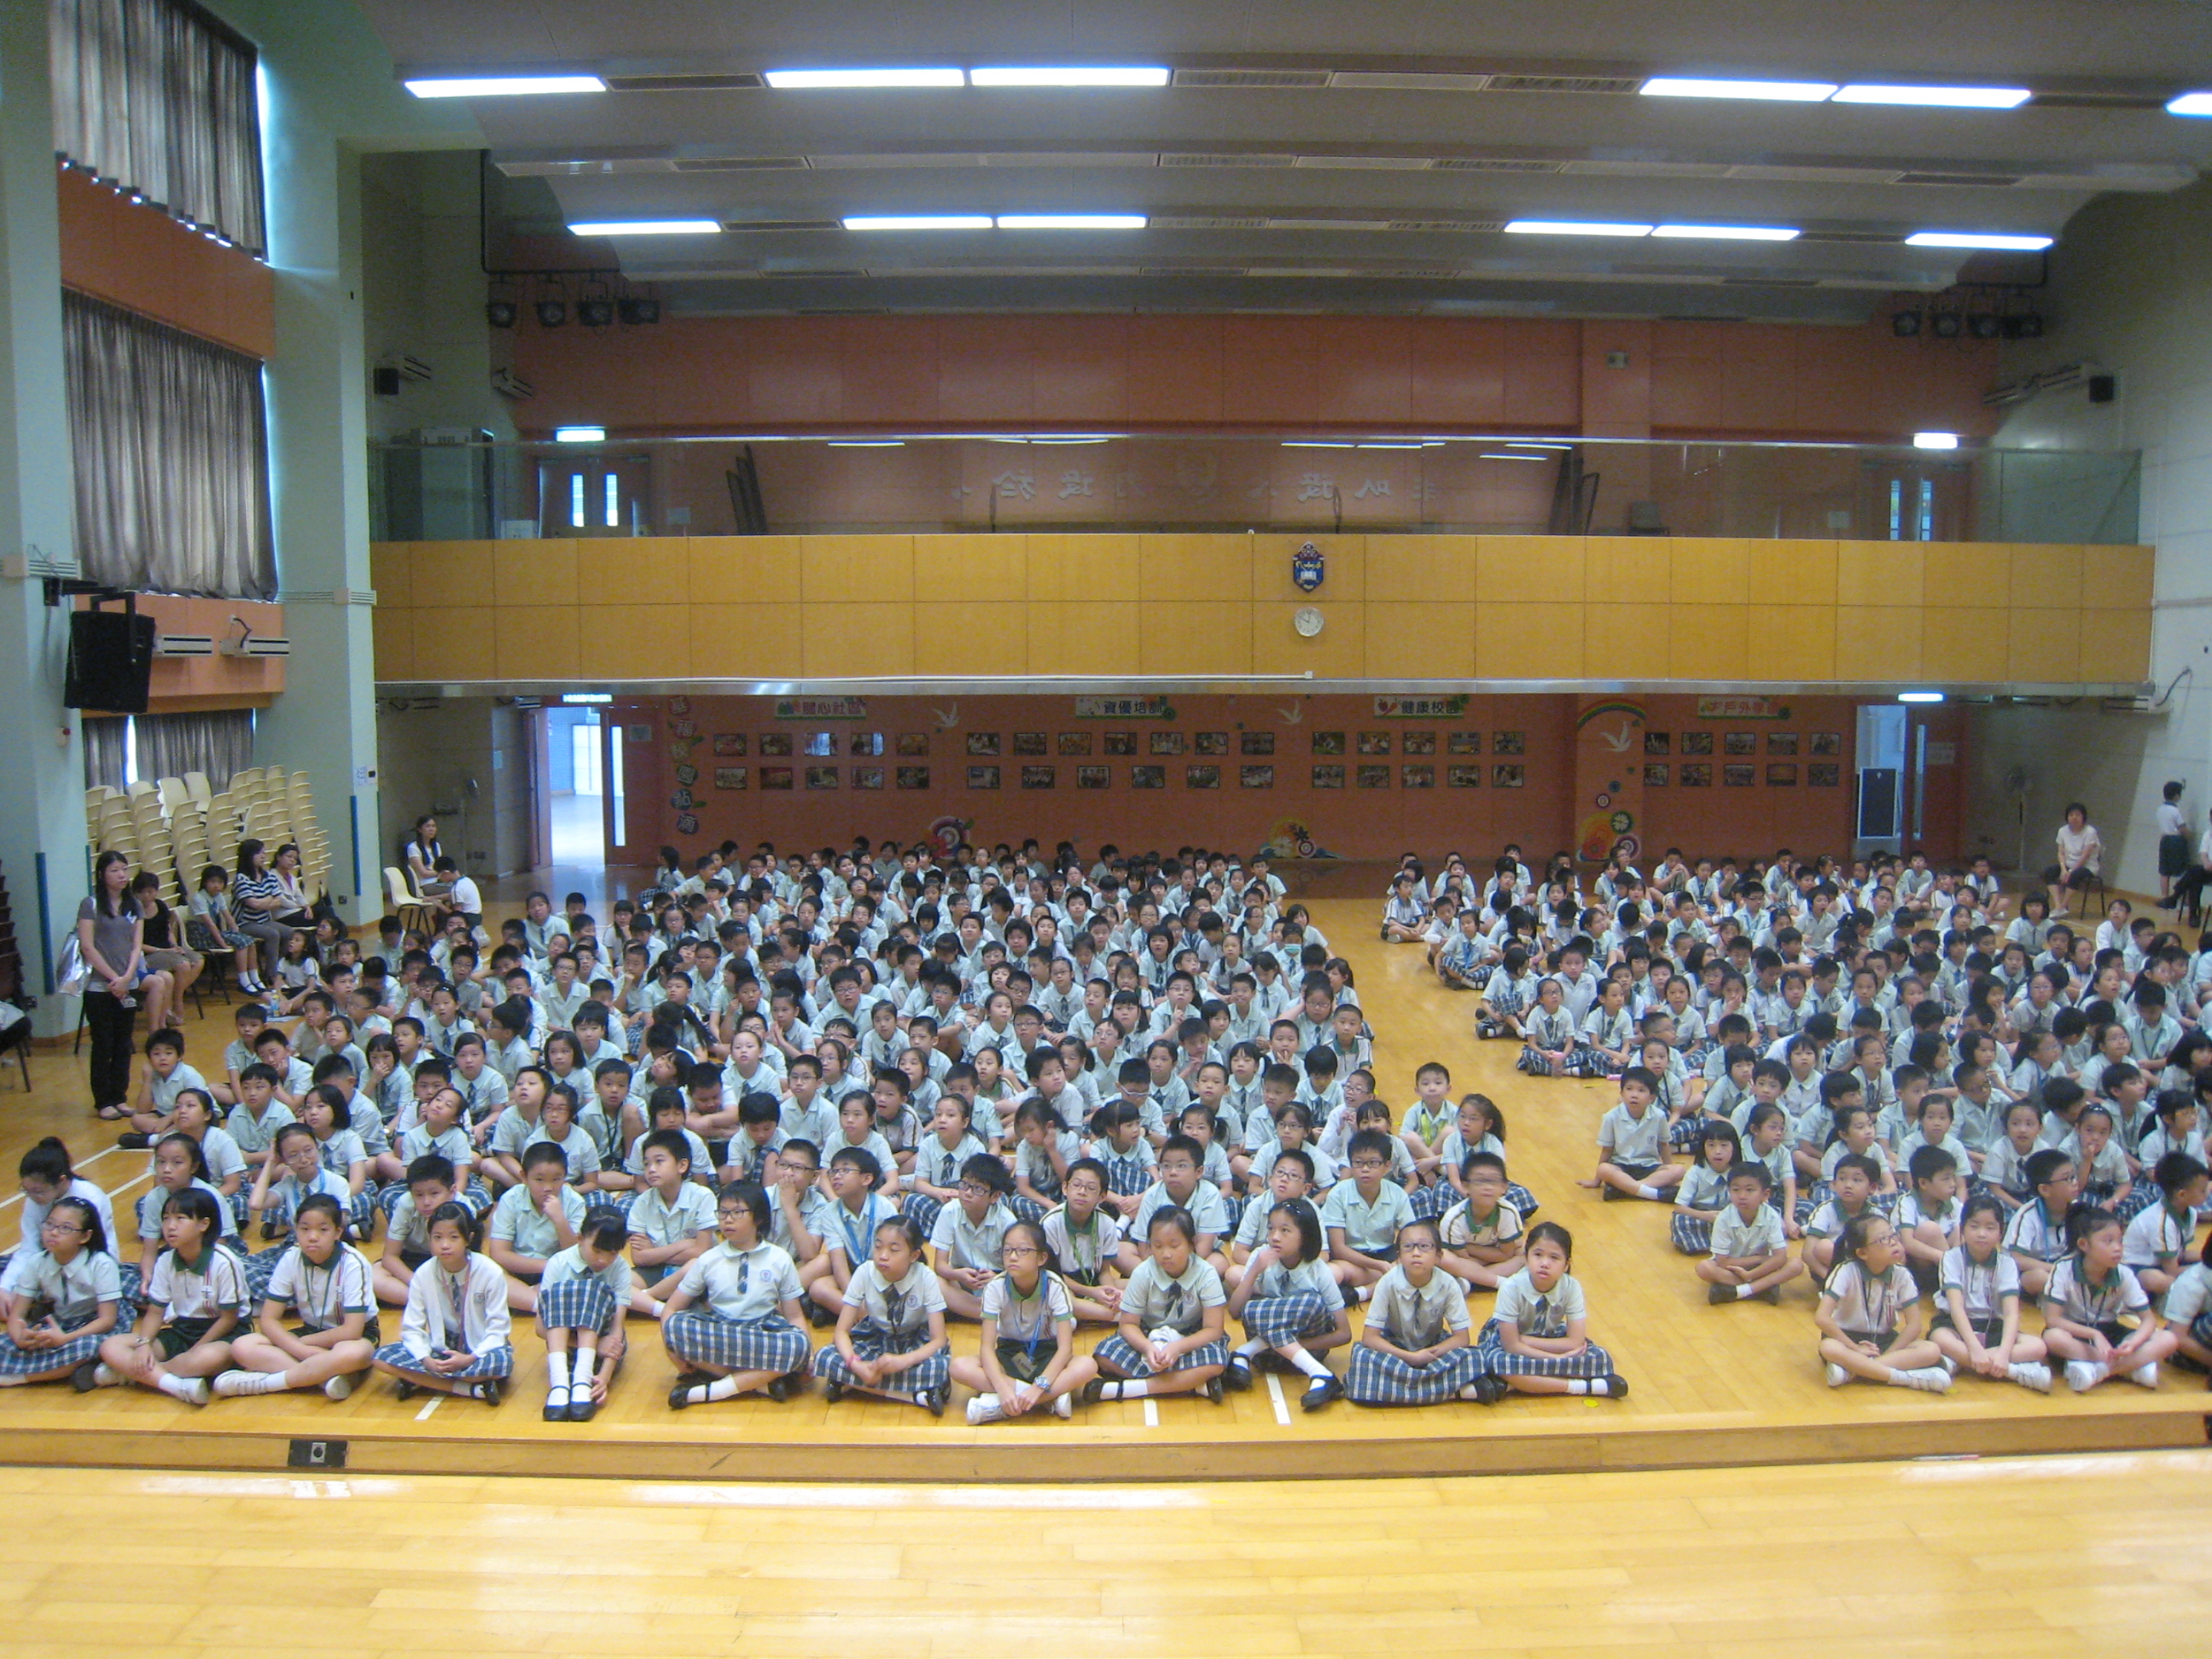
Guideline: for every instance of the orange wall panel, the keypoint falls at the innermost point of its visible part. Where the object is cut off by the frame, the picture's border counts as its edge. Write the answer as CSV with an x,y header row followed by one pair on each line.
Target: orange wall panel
x,y
141,259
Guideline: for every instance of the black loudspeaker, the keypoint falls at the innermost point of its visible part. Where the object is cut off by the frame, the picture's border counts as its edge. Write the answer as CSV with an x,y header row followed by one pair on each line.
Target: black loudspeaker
x,y
384,382
111,661
2103,389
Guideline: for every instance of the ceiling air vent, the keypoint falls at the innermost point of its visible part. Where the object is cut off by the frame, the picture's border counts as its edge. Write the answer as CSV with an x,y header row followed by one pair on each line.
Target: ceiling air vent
x,y
1458,227
1192,270
684,82
1395,81
1296,223
1367,163
1770,282
1602,83
1278,79
1201,221
740,163
2095,101
1492,164
1200,159
1992,180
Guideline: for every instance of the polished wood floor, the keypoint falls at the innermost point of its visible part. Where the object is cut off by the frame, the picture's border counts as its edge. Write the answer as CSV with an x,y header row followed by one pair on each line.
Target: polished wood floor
x,y
1711,1386
2057,1557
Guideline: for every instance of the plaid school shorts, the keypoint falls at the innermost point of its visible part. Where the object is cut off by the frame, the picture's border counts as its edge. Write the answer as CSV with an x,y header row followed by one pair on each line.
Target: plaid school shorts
x,y
1383,1379
771,1343
873,1341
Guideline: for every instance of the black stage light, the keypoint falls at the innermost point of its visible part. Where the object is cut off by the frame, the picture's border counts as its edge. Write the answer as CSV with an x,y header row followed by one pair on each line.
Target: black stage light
x,y
552,313
2026,325
1946,325
1985,325
595,313
501,314
639,312
1905,325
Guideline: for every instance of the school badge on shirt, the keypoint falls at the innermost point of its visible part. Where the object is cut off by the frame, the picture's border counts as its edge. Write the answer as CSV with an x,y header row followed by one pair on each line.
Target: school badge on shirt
x,y
1307,568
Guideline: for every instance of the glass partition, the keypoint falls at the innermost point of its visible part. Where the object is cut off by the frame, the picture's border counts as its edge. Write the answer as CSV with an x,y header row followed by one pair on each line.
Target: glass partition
x,y
1086,482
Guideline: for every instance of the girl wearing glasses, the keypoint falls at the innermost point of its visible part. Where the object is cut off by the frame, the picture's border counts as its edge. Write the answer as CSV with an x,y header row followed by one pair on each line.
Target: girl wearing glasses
x,y
62,1294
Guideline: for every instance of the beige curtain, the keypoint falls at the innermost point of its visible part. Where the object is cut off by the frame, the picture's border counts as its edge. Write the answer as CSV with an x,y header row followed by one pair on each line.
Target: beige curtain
x,y
104,752
160,97
170,745
170,439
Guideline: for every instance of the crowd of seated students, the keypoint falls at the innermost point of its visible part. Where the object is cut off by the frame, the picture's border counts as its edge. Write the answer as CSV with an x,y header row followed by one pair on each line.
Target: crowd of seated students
x,y
1951,1106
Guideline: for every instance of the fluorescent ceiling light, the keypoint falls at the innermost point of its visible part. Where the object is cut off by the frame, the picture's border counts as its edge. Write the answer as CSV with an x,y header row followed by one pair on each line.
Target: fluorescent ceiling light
x,y
502,86
1072,221
1935,440
1411,444
1787,92
861,79
1316,443
1920,697
1073,75
1937,97
587,697
1975,239
579,434
1501,456
918,221
2191,103
866,443
647,228
1104,438
1572,228
1518,443
1732,233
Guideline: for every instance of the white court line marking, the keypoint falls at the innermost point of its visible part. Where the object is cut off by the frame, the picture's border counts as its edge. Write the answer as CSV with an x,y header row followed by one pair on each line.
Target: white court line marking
x,y
1275,1393
437,1400
1151,1413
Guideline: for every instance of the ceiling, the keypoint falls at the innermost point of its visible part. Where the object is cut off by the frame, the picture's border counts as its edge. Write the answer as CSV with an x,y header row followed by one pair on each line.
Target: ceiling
x,y
1350,188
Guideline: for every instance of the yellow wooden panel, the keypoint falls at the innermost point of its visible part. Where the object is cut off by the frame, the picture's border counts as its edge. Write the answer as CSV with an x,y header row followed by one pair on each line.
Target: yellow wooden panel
x,y
452,575
636,641
2115,645
535,641
1708,570
1084,636
2046,576
1876,642
1709,642
1216,569
1344,568
743,641
1432,641
607,566
989,567
452,645
1420,569
391,572
1183,637
1524,569
1794,643
2046,645
1522,641
1338,652
1880,573
392,630
1965,642
984,637
1800,571
2117,578
744,569
1624,641
1626,570
1065,568
533,573
865,638
855,569
1967,573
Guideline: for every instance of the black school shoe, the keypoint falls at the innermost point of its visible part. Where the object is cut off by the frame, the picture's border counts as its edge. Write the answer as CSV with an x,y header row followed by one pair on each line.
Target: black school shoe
x,y
680,1397
131,1140
1616,1386
1322,1391
86,1377
1238,1377
1489,1390
492,1390
1213,1390
582,1410
932,1401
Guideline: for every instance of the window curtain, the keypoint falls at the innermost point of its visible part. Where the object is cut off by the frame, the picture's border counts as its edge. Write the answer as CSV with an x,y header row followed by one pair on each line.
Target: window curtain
x,y
158,97
170,745
104,753
170,438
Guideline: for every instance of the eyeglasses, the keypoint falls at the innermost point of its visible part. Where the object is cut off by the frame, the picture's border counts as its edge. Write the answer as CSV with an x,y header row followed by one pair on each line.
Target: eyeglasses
x,y
973,1189
50,1225
1012,1250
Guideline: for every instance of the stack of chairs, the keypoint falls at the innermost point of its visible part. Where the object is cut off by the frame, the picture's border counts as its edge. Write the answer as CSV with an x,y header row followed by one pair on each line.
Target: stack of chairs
x,y
176,827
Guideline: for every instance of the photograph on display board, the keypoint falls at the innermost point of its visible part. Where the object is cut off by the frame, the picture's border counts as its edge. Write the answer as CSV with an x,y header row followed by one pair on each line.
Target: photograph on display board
x,y
729,742
1038,777
1328,777
1465,743
1164,743
776,743
1739,743
867,777
1826,742
1373,777
865,743
1328,742
1780,743
1823,775
1119,743
1201,777
1509,743
1255,742
1211,742
1655,773
1695,774
1658,742
1092,777
1418,777
1697,743
1032,742
1508,777
982,743
913,742
821,777
1464,777
1256,777
913,777
1418,743
776,777
1075,743
819,743
982,777
1373,743
1148,777
1782,774
729,777
1734,775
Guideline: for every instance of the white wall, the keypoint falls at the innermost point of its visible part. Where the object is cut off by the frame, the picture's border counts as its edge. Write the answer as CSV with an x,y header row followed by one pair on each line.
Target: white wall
x,y
2131,295
470,754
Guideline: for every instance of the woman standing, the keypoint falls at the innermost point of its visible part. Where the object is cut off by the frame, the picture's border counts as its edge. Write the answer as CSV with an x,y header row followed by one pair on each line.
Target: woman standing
x,y
266,905
111,938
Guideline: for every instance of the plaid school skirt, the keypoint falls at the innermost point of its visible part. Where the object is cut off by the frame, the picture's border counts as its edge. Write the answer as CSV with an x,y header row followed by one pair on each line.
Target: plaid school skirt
x,y
1024,1207
45,1362
1587,1061
260,1268
576,1304
1430,1202
771,1343
2140,1199
1684,1133
1693,1233
1536,1065
1383,1379
1276,1320
873,1341
922,1210
1115,1356
476,1195
1492,1360
500,1362
2201,1328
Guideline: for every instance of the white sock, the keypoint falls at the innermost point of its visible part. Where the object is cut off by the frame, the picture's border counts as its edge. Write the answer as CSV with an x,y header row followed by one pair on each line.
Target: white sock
x,y
1648,1191
1252,1349
1306,1363
1741,1291
556,1368
186,1388
556,1396
1470,1393
1363,1293
1579,1385
1133,1389
723,1388
105,1376
1064,1406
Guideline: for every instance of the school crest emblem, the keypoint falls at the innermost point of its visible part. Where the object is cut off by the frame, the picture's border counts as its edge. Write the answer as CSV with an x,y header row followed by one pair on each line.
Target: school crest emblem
x,y
1307,568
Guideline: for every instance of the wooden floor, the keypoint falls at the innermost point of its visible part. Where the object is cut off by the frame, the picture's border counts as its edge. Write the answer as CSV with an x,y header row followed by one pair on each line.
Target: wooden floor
x,y
2057,1557
1712,1385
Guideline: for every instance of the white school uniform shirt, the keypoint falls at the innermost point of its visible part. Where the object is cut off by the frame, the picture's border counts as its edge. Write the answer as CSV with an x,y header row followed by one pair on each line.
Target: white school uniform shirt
x,y
2189,1295
213,1285
1367,1226
961,1243
816,1212
75,1288
463,1312
1418,1317
1867,1306
2034,1231
741,1285
1733,1236
324,1296
517,1219
1308,1276
2086,1302
1151,1299
34,1213
2156,1232
1983,1286
1535,1313
939,1164
1627,1139
150,1205
662,1223
901,1306
570,1264
1084,1251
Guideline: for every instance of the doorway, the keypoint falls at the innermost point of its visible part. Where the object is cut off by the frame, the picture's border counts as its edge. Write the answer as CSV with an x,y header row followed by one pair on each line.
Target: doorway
x,y
576,787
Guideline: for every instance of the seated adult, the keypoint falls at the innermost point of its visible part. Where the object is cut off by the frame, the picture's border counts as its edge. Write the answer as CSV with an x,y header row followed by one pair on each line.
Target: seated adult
x,y
419,855
2080,858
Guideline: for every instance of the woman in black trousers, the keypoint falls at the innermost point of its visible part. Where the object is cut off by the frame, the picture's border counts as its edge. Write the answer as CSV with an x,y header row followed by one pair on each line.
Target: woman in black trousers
x,y
112,939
